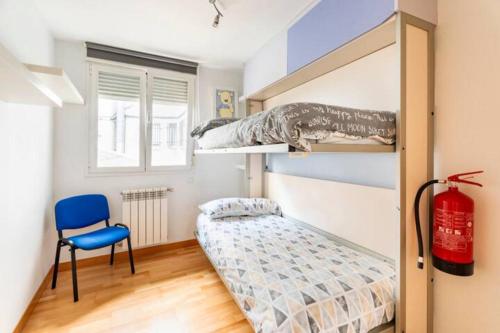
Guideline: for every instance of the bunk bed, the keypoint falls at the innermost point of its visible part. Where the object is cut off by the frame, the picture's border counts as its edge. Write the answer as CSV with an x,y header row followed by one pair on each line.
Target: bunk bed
x,y
413,39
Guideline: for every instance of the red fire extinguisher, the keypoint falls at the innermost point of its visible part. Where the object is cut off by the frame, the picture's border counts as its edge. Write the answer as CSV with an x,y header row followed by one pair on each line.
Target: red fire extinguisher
x,y
452,228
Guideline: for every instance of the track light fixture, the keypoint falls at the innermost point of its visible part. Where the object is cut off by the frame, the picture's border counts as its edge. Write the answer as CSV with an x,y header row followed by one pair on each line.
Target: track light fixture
x,y
217,17
216,21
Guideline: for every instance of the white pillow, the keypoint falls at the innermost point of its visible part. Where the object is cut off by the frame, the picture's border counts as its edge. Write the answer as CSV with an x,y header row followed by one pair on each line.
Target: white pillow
x,y
240,207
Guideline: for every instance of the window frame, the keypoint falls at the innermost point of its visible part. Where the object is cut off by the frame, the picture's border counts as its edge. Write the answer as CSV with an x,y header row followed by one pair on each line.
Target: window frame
x,y
191,81
145,135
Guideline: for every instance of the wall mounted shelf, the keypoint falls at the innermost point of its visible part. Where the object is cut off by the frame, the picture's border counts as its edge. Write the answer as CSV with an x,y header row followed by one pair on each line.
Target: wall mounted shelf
x,y
34,85
58,81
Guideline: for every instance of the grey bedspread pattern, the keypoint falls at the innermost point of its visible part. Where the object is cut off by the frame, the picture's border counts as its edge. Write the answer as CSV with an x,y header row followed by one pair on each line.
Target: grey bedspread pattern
x,y
298,123
287,278
199,130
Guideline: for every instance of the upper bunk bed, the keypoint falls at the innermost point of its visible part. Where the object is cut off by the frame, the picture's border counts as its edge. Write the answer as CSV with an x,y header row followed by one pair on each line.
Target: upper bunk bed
x,y
368,43
307,127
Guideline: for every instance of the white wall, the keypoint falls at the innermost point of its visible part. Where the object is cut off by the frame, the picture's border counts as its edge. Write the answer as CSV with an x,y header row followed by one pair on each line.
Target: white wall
x,y
369,83
467,118
27,238
267,65
210,177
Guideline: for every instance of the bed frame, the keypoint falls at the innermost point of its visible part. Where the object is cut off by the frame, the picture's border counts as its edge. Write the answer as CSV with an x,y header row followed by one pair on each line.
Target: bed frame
x,y
315,148
412,40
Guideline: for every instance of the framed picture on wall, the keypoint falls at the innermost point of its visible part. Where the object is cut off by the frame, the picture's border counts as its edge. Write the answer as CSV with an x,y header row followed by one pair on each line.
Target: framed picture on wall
x,y
226,103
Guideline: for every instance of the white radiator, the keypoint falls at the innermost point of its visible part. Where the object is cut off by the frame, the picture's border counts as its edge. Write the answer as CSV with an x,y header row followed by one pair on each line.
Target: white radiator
x,y
145,212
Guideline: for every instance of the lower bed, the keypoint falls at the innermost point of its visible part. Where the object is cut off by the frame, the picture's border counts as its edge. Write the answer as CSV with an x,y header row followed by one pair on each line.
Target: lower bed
x,y
287,278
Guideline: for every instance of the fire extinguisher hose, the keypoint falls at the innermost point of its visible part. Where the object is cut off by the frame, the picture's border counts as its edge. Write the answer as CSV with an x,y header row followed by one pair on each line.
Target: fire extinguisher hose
x,y
420,262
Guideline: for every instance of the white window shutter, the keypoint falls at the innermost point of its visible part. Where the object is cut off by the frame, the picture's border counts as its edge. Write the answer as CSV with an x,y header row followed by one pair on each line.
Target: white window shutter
x,y
170,91
119,86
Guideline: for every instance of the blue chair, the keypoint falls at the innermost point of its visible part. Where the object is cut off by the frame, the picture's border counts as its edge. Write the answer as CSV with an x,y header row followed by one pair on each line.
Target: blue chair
x,y
79,212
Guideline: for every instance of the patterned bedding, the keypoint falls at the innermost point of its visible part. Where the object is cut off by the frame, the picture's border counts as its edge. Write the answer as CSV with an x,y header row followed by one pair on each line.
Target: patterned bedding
x,y
299,124
287,278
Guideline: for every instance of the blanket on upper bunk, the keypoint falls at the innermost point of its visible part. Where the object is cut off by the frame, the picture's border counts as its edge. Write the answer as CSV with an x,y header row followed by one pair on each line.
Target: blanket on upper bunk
x,y
299,123
287,278
199,130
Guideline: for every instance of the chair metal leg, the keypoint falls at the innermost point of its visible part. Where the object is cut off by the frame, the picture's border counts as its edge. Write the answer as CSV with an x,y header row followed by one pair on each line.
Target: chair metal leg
x,y
130,257
112,258
56,265
73,272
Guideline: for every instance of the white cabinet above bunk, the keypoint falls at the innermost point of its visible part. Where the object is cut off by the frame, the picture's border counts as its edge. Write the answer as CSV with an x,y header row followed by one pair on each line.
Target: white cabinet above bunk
x,y
33,84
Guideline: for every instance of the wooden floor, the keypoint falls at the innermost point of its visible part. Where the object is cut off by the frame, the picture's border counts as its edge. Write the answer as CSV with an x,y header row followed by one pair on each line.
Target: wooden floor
x,y
172,291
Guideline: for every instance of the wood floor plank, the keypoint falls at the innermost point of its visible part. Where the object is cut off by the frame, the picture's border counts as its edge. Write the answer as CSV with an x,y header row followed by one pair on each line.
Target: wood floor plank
x,y
172,291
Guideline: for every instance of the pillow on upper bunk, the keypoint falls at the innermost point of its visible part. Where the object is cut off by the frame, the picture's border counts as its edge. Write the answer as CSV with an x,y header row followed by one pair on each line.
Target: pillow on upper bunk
x,y
199,130
240,207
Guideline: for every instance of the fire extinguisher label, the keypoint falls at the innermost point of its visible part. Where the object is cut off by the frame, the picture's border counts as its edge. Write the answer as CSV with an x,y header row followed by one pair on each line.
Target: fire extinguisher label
x,y
452,230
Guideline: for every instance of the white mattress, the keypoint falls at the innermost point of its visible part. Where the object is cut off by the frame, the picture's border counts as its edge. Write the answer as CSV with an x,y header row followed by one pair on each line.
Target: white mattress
x,y
287,278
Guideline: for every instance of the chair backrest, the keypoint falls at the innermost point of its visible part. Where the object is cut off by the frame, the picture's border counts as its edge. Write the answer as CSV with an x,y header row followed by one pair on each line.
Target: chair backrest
x,y
81,211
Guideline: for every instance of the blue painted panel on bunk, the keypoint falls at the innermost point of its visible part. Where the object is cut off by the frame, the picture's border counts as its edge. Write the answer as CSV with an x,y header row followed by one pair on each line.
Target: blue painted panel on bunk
x,y
330,24
377,170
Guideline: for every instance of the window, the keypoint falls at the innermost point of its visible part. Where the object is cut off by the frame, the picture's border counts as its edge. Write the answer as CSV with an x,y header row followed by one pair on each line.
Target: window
x,y
139,119
170,111
118,120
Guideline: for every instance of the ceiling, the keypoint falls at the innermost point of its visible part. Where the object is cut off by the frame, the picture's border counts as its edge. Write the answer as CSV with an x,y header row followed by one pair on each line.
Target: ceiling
x,y
178,28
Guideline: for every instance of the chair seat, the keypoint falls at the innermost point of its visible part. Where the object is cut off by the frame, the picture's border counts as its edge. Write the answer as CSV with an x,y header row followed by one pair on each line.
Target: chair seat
x,y
99,238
